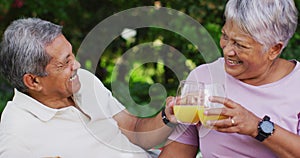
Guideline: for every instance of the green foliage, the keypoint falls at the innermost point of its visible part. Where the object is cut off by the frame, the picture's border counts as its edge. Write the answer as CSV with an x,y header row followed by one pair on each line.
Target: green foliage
x,y
4,97
6,93
79,16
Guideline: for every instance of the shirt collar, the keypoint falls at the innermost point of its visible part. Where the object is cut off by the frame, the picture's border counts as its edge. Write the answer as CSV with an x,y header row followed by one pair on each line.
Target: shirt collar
x,y
35,107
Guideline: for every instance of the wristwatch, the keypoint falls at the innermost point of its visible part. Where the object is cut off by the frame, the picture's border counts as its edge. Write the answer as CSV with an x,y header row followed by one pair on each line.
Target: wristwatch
x,y
265,128
166,120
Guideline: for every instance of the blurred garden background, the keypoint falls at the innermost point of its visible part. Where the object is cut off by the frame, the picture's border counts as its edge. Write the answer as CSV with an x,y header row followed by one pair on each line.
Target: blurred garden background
x,y
80,16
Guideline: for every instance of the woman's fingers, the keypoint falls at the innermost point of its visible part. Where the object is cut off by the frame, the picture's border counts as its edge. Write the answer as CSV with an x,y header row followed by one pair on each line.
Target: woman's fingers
x,y
221,100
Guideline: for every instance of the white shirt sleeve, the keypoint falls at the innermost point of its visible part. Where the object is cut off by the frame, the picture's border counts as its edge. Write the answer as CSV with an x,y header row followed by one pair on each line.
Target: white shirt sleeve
x,y
94,98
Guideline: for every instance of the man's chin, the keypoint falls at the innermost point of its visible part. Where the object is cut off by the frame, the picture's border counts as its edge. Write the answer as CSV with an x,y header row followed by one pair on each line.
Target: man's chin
x,y
76,88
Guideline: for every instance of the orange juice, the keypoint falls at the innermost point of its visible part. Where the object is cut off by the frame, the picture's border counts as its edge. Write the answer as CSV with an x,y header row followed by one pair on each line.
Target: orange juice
x,y
203,118
186,113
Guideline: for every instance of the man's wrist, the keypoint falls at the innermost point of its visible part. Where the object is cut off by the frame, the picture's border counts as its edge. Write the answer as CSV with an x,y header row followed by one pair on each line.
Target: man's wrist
x,y
166,120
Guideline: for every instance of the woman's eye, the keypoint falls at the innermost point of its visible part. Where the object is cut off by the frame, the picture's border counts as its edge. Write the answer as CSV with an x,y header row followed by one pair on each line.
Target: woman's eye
x,y
60,65
239,45
224,36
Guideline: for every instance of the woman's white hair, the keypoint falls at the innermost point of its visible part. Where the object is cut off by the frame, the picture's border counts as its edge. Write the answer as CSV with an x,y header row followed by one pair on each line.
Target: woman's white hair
x,y
267,21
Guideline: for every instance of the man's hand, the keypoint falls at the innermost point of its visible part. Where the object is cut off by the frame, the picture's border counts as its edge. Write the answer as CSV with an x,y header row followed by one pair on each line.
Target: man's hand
x,y
170,101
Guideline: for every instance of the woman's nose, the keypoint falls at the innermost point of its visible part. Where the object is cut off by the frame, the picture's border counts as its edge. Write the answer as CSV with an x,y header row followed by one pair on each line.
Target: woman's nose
x,y
228,49
229,52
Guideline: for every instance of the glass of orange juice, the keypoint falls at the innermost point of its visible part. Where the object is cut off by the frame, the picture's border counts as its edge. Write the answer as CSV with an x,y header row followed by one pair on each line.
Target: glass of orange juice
x,y
214,89
189,97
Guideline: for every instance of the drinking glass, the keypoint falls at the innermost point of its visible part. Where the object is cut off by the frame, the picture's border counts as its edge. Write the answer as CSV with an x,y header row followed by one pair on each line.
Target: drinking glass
x,y
214,89
188,99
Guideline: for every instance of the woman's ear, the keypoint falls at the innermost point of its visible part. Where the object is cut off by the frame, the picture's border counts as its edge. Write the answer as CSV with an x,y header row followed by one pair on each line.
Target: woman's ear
x,y
32,82
275,51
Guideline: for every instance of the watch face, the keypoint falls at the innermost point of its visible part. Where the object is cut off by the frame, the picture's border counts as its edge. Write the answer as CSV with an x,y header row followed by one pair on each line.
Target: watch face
x,y
267,127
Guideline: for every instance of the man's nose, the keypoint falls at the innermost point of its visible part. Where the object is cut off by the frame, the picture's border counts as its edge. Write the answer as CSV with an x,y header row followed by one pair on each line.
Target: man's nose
x,y
76,65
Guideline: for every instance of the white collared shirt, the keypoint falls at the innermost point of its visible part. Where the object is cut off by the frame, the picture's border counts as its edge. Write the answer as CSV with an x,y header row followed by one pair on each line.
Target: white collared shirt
x,y
31,129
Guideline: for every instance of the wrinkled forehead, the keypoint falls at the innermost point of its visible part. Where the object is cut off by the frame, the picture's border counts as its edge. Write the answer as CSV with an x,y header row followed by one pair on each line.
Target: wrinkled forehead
x,y
234,27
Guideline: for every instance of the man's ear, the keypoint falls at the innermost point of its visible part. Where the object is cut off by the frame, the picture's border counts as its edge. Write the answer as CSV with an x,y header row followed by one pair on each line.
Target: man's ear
x,y
275,51
32,82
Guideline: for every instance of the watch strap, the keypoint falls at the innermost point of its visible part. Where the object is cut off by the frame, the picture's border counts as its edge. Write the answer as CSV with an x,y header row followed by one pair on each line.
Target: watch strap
x,y
165,119
260,137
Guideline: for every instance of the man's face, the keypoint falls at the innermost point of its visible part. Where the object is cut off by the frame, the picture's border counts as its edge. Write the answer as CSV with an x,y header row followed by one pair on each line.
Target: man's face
x,y
62,79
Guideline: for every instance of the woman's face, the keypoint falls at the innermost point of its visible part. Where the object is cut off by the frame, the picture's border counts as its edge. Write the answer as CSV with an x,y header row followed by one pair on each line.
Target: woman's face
x,y
245,59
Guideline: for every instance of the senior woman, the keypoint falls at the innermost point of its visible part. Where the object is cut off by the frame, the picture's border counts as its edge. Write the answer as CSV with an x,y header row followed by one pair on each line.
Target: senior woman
x,y
262,89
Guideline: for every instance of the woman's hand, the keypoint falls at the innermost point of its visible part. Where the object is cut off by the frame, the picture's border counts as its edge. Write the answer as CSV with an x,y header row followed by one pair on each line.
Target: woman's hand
x,y
240,120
